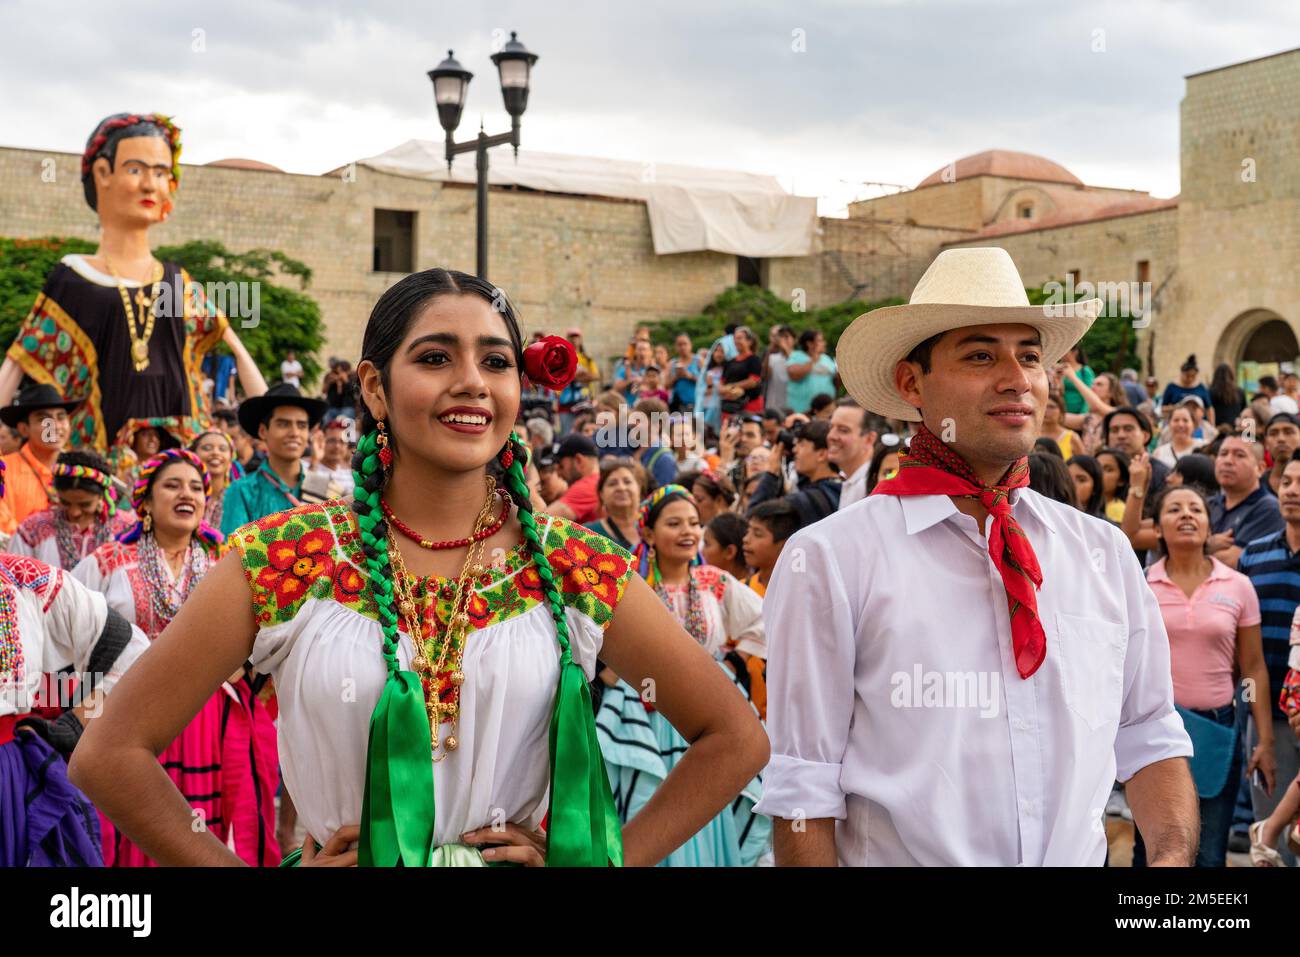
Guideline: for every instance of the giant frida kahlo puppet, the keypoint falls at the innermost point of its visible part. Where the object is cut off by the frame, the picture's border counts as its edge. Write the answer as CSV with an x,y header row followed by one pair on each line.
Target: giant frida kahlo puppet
x,y
120,330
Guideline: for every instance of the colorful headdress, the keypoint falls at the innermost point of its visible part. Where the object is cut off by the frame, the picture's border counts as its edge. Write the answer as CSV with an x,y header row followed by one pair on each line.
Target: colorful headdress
x,y
651,506
84,473
144,483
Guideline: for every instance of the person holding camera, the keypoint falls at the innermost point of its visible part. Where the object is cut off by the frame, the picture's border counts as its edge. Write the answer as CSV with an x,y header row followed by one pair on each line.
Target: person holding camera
x,y
818,491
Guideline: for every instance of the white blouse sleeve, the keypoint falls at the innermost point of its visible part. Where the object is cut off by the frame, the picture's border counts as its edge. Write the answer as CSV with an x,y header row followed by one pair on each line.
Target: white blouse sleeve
x,y
87,572
74,622
17,545
742,616
586,638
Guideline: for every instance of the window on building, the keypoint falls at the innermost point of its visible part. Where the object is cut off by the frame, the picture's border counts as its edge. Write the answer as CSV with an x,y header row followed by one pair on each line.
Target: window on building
x,y
749,271
1073,276
394,241
1025,210
1144,270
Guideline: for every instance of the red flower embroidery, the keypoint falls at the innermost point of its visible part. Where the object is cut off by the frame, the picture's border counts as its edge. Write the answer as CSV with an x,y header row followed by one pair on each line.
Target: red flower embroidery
x,y
581,568
294,565
348,584
529,583
274,520
478,611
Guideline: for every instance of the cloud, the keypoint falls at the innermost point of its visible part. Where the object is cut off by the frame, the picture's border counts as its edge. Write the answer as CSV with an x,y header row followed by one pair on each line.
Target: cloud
x,y
880,91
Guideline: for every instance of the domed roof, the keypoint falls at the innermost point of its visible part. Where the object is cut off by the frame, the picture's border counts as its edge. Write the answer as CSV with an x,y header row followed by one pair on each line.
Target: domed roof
x,y
236,162
1006,163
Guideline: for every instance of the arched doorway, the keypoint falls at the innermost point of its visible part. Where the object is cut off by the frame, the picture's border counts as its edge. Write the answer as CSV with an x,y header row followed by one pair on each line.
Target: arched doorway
x,y
1274,341
1256,343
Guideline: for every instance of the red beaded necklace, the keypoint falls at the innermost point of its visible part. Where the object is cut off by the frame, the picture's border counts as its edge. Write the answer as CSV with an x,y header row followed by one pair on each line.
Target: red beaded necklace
x,y
415,536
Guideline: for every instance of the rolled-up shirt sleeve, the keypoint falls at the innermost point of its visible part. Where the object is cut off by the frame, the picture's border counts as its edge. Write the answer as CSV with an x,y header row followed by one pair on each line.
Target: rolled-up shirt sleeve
x,y
1150,730
811,643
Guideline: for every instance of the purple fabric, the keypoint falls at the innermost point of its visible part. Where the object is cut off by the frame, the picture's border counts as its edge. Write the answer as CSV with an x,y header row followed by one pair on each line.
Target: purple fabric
x,y
44,820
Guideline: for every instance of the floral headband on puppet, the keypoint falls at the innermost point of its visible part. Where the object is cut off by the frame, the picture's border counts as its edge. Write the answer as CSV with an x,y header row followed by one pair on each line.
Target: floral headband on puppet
x,y
651,506
104,134
144,483
70,476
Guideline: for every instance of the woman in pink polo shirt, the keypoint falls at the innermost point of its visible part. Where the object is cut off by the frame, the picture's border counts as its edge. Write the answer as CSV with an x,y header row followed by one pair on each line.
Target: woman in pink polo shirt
x,y
1212,616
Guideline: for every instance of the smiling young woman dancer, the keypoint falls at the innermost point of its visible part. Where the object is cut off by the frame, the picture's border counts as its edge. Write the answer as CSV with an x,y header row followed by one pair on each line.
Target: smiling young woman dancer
x,y
224,760
377,733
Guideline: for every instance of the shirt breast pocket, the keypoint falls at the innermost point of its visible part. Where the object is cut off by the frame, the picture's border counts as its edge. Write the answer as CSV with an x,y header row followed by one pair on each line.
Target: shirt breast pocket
x,y
1092,667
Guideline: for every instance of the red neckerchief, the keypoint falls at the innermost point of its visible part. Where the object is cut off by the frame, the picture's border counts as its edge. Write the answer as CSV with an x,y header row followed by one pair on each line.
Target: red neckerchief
x,y
929,467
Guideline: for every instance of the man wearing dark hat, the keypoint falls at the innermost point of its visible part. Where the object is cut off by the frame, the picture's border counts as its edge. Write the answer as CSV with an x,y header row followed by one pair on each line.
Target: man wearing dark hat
x,y
283,419
577,461
41,417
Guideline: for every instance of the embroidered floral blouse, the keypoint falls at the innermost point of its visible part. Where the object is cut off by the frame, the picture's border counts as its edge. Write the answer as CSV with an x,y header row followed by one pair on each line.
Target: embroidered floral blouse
x,y
320,640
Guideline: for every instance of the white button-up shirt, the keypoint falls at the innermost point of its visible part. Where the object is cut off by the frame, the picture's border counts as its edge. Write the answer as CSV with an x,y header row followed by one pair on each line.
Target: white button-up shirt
x,y
895,707
854,488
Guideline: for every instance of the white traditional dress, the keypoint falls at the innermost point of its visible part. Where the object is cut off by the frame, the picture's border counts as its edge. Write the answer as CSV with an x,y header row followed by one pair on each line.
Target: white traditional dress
x,y
54,540
319,638
641,747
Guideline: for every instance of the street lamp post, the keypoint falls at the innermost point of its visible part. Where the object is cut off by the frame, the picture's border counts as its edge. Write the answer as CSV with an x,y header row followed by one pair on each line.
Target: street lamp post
x,y
450,83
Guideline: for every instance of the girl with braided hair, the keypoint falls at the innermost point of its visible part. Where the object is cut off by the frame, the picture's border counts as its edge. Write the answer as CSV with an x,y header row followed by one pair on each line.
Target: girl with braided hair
x,y
224,760
87,515
725,618
431,665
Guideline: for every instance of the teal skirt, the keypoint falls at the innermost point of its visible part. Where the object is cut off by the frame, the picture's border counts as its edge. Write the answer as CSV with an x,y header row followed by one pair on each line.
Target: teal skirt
x,y
640,748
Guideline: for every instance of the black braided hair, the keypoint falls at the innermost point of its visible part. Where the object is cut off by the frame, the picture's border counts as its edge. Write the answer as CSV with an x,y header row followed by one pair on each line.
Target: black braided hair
x,y
517,485
368,474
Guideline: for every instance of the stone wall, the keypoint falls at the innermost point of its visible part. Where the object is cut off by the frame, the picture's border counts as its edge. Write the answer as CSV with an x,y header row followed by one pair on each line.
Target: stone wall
x,y
1238,237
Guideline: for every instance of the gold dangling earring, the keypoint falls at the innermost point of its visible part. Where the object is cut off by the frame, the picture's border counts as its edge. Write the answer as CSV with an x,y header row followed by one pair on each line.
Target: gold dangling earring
x,y
147,524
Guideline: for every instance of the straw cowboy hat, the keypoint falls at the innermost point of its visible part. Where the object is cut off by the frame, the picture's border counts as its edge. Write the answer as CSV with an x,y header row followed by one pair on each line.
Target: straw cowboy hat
x,y
963,287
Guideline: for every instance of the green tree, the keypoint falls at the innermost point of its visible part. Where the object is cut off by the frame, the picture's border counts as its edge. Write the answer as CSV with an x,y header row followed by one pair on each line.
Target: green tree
x,y
289,319
760,309
1110,345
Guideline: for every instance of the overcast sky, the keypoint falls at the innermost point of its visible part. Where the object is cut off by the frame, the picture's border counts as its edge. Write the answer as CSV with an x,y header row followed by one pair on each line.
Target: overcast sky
x,y
882,90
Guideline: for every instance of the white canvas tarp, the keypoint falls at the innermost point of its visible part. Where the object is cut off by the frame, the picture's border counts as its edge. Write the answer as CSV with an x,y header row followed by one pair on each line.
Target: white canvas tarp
x,y
691,209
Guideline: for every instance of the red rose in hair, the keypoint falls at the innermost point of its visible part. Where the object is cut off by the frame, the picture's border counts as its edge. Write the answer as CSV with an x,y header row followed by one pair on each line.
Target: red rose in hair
x,y
550,363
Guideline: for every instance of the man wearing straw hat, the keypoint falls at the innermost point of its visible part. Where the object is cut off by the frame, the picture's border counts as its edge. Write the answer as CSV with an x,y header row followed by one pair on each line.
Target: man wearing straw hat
x,y
959,667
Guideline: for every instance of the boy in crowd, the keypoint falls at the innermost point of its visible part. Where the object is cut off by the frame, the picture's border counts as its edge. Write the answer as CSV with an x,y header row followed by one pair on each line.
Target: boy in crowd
x,y
770,524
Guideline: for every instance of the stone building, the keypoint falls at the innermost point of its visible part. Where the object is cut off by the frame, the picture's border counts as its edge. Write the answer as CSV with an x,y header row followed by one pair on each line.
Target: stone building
x,y
1222,258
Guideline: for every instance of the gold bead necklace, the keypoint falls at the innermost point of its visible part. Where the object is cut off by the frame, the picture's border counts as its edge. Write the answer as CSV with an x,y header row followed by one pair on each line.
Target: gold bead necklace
x,y
139,339
430,660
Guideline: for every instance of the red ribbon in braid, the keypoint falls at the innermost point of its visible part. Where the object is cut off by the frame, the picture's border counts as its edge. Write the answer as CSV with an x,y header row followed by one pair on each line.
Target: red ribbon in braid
x,y
929,467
